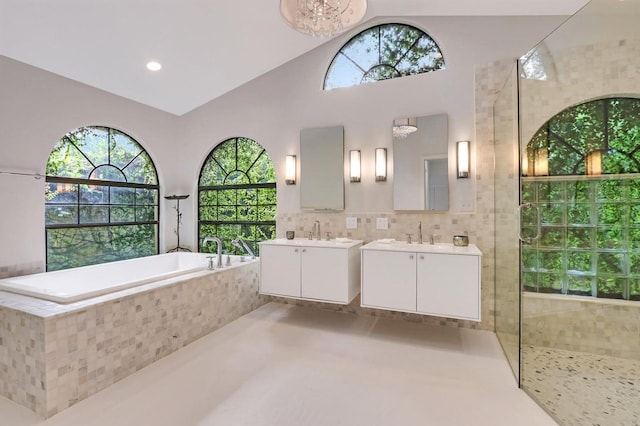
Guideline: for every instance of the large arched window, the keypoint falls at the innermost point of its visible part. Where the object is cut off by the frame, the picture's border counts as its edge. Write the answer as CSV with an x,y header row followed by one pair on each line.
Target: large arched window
x,y
383,52
101,199
237,195
583,174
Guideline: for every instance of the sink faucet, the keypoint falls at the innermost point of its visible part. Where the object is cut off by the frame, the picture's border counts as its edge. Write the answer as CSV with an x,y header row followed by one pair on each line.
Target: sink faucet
x,y
420,232
316,229
238,242
432,238
219,243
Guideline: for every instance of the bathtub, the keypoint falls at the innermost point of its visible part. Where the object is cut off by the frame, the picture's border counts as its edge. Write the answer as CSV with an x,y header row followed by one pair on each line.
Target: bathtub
x,y
72,285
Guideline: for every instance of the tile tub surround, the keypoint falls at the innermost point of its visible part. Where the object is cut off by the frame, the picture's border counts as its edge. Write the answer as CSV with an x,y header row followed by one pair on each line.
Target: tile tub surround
x,y
53,355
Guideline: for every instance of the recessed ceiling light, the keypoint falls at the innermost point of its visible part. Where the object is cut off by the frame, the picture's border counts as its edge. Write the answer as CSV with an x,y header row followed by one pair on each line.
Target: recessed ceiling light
x,y
154,66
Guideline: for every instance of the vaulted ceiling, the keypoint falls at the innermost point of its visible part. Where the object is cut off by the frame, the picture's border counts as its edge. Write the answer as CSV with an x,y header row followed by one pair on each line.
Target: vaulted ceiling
x,y
207,47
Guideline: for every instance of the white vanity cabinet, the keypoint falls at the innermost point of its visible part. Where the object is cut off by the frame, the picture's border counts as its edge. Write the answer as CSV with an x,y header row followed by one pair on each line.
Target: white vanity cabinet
x,y
327,271
440,280
389,280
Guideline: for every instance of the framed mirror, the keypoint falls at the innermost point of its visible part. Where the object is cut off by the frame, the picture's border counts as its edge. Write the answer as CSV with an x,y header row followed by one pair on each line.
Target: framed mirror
x,y
322,168
421,163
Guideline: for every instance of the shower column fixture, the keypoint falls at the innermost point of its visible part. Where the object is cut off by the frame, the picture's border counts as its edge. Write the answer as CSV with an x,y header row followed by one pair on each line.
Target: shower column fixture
x,y
177,198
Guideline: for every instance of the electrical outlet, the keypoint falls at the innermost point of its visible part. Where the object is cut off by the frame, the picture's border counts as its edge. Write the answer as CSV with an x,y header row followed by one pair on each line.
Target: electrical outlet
x,y
352,223
382,223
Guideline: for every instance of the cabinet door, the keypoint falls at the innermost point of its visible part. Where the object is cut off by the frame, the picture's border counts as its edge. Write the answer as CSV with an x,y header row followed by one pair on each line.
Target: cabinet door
x,y
389,280
449,285
324,274
280,270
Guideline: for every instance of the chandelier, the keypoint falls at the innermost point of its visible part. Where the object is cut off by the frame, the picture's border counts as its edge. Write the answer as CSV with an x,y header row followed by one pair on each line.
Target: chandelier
x,y
322,18
403,127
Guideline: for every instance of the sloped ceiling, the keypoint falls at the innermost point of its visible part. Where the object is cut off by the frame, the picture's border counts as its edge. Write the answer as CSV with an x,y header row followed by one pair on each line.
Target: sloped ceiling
x,y
206,47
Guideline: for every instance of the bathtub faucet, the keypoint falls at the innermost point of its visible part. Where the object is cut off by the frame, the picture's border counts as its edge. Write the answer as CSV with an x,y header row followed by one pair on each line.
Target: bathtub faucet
x,y
238,242
219,243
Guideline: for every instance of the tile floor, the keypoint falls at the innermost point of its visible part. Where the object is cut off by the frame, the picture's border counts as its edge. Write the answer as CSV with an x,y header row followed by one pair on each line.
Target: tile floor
x,y
583,389
285,365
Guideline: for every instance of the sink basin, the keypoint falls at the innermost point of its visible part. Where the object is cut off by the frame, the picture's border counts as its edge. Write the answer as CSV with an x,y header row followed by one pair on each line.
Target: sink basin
x,y
445,248
299,242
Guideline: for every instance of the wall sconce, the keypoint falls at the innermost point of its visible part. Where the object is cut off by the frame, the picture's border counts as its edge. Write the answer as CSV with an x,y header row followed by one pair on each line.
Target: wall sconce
x,y
541,162
354,165
381,164
594,163
462,155
290,170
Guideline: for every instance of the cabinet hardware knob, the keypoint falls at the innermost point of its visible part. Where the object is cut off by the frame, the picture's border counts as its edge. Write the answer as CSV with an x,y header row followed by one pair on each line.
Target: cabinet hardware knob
x,y
295,251
411,257
304,250
421,257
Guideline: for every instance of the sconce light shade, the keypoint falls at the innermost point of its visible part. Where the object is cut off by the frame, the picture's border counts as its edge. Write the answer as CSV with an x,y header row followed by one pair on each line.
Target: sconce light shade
x,y
381,164
594,163
462,155
290,170
354,165
541,162
526,166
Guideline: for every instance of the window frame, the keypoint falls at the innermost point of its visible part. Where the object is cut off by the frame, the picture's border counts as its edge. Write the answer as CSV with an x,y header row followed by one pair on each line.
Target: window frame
x,y
223,187
79,182
379,63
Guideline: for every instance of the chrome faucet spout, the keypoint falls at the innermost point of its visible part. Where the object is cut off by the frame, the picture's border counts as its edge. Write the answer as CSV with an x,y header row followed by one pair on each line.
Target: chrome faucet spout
x,y
238,242
219,243
316,229
420,232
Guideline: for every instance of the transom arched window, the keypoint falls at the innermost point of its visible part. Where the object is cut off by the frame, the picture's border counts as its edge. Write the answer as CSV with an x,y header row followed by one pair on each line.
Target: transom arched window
x,y
101,199
237,195
383,52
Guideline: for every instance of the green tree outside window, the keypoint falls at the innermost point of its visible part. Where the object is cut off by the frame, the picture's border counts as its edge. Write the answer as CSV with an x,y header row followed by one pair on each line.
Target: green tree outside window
x,y
237,195
590,240
101,199
383,52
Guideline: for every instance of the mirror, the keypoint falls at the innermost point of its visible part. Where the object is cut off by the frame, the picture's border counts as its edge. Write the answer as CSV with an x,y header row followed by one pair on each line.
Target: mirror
x,y
322,168
420,163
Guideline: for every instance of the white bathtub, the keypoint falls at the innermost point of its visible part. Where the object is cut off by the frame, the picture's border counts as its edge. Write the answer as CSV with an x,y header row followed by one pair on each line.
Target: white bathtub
x,y
72,285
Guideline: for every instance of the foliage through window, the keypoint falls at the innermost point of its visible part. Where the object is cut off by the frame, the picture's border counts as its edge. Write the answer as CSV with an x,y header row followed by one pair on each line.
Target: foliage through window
x,y
383,52
590,234
101,199
237,195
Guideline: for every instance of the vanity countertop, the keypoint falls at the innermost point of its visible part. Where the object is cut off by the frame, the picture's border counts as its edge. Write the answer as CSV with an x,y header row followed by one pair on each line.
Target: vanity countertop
x,y
305,242
442,248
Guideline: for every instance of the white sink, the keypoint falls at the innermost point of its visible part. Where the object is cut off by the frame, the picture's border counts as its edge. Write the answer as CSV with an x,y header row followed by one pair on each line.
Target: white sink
x,y
447,248
299,242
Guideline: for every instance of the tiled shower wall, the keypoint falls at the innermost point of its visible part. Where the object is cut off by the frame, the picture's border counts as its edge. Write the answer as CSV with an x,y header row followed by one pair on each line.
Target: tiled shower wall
x,y
50,362
576,75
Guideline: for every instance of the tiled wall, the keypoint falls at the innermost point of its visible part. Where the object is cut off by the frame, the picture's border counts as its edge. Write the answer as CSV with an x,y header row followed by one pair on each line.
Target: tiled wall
x,y
49,363
595,326
16,270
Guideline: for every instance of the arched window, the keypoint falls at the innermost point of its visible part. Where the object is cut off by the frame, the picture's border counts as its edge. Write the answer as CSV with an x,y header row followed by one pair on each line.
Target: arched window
x,y
604,133
237,195
101,199
383,52
583,177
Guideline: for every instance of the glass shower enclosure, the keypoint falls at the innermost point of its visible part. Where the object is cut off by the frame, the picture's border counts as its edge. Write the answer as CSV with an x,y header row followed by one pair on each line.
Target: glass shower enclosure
x,y
567,195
